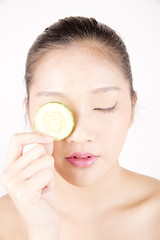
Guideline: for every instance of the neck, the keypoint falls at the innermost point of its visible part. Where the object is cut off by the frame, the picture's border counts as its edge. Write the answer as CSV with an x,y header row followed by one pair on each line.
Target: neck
x,y
96,198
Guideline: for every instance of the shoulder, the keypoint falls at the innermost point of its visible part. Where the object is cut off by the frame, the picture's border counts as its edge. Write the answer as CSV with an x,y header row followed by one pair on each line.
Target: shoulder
x,y
11,223
146,192
144,188
148,186
153,207
153,204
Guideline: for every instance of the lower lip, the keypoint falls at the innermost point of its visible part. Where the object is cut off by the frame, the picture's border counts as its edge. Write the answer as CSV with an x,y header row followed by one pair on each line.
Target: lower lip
x,y
82,162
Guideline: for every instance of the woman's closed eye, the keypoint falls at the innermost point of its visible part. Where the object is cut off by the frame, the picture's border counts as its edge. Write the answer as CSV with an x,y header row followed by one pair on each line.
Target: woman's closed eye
x,y
107,110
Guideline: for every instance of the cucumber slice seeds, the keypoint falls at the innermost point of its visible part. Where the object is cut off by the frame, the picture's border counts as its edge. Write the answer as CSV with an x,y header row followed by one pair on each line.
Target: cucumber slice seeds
x,y
54,119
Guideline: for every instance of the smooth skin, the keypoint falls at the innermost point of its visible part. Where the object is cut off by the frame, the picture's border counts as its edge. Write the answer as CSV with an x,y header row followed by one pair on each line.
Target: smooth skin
x,y
103,201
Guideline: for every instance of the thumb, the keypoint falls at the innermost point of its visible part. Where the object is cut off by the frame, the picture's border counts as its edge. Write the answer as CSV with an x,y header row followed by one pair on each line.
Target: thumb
x,y
49,147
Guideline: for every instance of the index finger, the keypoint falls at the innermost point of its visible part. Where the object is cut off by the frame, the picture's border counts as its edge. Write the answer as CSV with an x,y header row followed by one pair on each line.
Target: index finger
x,y
18,141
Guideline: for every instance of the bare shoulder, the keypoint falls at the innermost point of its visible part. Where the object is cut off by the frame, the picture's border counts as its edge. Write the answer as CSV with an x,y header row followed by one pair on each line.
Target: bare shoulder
x,y
149,186
147,190
11,223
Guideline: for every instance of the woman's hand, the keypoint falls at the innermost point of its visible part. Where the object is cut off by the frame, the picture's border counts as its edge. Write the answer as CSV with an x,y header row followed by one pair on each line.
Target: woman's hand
x,y
29,180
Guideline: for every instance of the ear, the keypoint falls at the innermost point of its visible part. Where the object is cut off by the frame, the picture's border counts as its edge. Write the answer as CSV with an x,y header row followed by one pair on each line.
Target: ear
x,y
26,104
134,101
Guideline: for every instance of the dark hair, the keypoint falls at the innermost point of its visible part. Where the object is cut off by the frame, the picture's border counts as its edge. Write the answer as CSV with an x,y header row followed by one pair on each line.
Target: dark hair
x,y
72,29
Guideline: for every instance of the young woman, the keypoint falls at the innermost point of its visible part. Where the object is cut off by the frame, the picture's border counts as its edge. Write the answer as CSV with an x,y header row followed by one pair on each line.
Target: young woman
x,y
83,64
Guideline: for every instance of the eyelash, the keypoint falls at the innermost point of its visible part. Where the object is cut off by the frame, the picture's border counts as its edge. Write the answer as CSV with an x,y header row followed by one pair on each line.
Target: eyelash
x,y
107,110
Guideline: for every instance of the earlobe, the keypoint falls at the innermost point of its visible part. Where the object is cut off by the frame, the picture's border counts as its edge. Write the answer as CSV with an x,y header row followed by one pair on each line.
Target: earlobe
x,y
26,104
131,120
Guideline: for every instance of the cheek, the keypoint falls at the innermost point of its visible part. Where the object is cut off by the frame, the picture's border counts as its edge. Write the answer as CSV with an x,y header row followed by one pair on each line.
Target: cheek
x,y
58,149
112,131
31,120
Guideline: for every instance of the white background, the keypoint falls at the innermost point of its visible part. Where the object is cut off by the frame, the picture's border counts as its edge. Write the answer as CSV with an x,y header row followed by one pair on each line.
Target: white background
x,y
137,22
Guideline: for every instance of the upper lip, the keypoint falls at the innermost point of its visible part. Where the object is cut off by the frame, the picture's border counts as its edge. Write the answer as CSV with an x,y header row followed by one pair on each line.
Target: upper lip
x,y
81,155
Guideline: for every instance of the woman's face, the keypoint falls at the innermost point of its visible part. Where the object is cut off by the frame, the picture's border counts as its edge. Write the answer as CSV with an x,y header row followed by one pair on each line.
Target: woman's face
x,y
76,73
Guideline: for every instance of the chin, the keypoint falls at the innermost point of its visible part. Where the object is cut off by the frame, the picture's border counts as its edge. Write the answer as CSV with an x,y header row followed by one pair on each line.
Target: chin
x,y
79,180
81,184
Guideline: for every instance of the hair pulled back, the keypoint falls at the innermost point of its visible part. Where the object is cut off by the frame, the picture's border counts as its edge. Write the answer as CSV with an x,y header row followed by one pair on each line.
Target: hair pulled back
x,y
72,29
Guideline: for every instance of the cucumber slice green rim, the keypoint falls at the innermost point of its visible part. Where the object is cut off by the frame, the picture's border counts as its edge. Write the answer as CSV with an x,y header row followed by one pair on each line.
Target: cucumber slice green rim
x,y
54,119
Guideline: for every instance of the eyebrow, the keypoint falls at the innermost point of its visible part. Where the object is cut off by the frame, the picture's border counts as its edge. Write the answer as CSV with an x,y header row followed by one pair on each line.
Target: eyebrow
x,y
93,91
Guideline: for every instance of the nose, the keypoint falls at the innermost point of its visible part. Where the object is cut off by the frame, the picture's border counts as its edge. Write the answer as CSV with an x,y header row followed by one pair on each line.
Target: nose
x,y
83,131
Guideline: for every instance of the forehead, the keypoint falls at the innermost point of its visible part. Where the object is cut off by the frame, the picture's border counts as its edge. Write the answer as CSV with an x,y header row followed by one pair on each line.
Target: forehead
x,y
78,67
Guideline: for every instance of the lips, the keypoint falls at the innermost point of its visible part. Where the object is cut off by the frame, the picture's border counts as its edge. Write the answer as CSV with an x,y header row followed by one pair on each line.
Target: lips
x,y
82,160
81,155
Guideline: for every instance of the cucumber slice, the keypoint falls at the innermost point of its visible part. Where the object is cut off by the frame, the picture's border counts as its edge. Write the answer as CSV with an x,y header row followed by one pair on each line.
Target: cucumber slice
x,y
54,119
